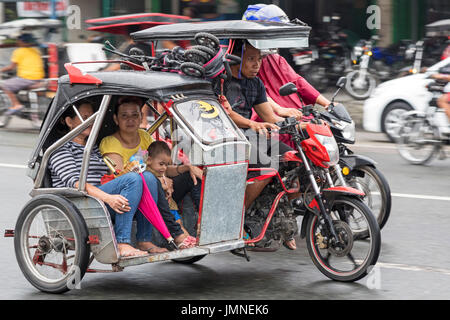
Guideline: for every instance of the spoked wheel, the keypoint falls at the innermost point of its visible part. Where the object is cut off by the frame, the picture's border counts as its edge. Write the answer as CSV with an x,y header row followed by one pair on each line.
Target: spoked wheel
x,y
5,103
377,191
51,244
360,88
418,140
209,52
196,56
349,258
192,69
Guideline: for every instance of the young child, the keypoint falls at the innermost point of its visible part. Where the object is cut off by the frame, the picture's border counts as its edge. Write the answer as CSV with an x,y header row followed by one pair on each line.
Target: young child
x,y
157,162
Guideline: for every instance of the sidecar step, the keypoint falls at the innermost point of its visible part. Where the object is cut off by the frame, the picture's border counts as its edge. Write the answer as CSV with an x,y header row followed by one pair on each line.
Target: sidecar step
x,y
183,253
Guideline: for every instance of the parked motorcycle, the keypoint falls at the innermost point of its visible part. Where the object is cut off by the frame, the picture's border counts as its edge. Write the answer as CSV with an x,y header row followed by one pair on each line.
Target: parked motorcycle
x,y
361,81
325,60
423,134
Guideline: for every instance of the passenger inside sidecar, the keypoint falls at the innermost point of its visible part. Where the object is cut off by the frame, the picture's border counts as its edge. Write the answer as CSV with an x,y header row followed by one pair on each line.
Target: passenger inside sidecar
x,y
121,124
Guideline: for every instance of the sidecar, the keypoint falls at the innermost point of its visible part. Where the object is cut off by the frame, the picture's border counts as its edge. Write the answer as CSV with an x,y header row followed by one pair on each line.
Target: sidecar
x,y
60,232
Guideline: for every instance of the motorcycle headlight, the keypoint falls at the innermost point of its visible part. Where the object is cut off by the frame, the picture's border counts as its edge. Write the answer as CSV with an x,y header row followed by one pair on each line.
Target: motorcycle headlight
x,y
332,148
347,129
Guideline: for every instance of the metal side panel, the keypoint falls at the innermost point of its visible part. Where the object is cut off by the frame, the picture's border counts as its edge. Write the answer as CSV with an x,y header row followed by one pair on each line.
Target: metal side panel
x,y
99,224
223,203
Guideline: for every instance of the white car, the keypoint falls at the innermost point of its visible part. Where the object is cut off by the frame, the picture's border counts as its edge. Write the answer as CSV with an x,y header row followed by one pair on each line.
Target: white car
x,y
383,109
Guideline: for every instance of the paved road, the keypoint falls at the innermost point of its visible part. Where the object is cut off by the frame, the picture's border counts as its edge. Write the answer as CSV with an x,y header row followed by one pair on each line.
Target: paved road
x,y
414,261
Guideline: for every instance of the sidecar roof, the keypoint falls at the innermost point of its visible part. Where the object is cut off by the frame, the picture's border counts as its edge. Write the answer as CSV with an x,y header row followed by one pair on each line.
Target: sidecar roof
x,y
156,84
227,29
159,86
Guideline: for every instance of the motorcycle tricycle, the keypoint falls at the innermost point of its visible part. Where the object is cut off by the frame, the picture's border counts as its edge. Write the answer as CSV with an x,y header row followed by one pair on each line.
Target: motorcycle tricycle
x,y
61,231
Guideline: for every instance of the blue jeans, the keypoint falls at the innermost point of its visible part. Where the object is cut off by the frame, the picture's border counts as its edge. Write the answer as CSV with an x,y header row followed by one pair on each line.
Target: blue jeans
x,y
129,186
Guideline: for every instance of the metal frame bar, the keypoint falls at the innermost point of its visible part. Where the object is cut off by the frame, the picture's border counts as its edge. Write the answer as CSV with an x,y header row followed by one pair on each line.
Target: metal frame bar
x,y
91,141
97,119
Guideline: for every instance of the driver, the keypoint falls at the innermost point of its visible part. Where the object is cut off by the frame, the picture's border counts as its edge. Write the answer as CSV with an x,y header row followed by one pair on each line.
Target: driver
x,y
275,71
30,69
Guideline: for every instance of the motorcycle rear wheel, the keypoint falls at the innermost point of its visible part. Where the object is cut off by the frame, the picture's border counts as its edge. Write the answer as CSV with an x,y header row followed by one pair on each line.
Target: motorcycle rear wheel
x,y
353,259
378,193
418,140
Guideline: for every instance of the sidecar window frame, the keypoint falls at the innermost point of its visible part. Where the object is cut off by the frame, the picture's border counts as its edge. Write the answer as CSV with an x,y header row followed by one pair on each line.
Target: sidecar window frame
x,y
191,128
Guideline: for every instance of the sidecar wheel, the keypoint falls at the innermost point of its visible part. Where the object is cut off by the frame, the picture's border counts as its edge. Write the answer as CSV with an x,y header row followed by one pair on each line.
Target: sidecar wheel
x,y
189,260
51,244
207,40
192,69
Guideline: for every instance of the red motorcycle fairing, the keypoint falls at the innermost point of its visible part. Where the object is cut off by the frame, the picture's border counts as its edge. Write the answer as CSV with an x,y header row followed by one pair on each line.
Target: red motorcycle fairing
x,y
291,156
349,191
345,190
314,150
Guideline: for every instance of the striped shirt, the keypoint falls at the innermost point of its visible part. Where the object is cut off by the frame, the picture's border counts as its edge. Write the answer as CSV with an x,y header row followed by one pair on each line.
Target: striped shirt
x,y
65,166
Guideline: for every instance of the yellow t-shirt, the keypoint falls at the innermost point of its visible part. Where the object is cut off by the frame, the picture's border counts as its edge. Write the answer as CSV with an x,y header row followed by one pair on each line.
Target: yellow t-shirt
x,y
111,144
29,63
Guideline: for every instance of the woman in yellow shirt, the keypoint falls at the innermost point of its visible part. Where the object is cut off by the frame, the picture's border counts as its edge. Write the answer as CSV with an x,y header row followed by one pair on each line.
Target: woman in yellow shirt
x,y
124,143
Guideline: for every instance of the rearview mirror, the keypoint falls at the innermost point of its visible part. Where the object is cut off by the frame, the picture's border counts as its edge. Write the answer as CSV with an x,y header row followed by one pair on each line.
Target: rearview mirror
x,y
287,89
341,82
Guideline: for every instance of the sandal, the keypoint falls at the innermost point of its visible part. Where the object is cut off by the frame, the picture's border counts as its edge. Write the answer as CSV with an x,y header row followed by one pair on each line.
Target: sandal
x,y
153,249
157,249
188,242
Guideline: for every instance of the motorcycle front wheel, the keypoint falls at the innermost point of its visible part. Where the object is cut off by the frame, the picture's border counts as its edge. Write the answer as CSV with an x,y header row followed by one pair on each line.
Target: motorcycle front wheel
x,y
357,88
351,257
418,139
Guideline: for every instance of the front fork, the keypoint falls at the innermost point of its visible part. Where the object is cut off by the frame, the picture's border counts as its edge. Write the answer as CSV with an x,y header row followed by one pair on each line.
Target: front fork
x,y
318,201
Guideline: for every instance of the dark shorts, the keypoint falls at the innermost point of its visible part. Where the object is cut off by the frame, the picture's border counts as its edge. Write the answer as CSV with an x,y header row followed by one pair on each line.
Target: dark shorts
x,y
265,153
16,84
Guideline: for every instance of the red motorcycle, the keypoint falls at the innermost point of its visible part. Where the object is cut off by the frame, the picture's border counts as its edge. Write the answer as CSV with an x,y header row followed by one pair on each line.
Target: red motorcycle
x,y
342,235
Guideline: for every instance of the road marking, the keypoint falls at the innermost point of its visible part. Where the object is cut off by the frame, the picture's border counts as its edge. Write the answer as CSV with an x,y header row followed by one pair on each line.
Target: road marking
x,y
375,146
412,268
400,195
420,196
10,165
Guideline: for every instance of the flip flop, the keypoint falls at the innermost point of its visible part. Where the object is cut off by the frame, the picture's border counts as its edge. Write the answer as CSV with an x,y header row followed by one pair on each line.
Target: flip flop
x,y
156,249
